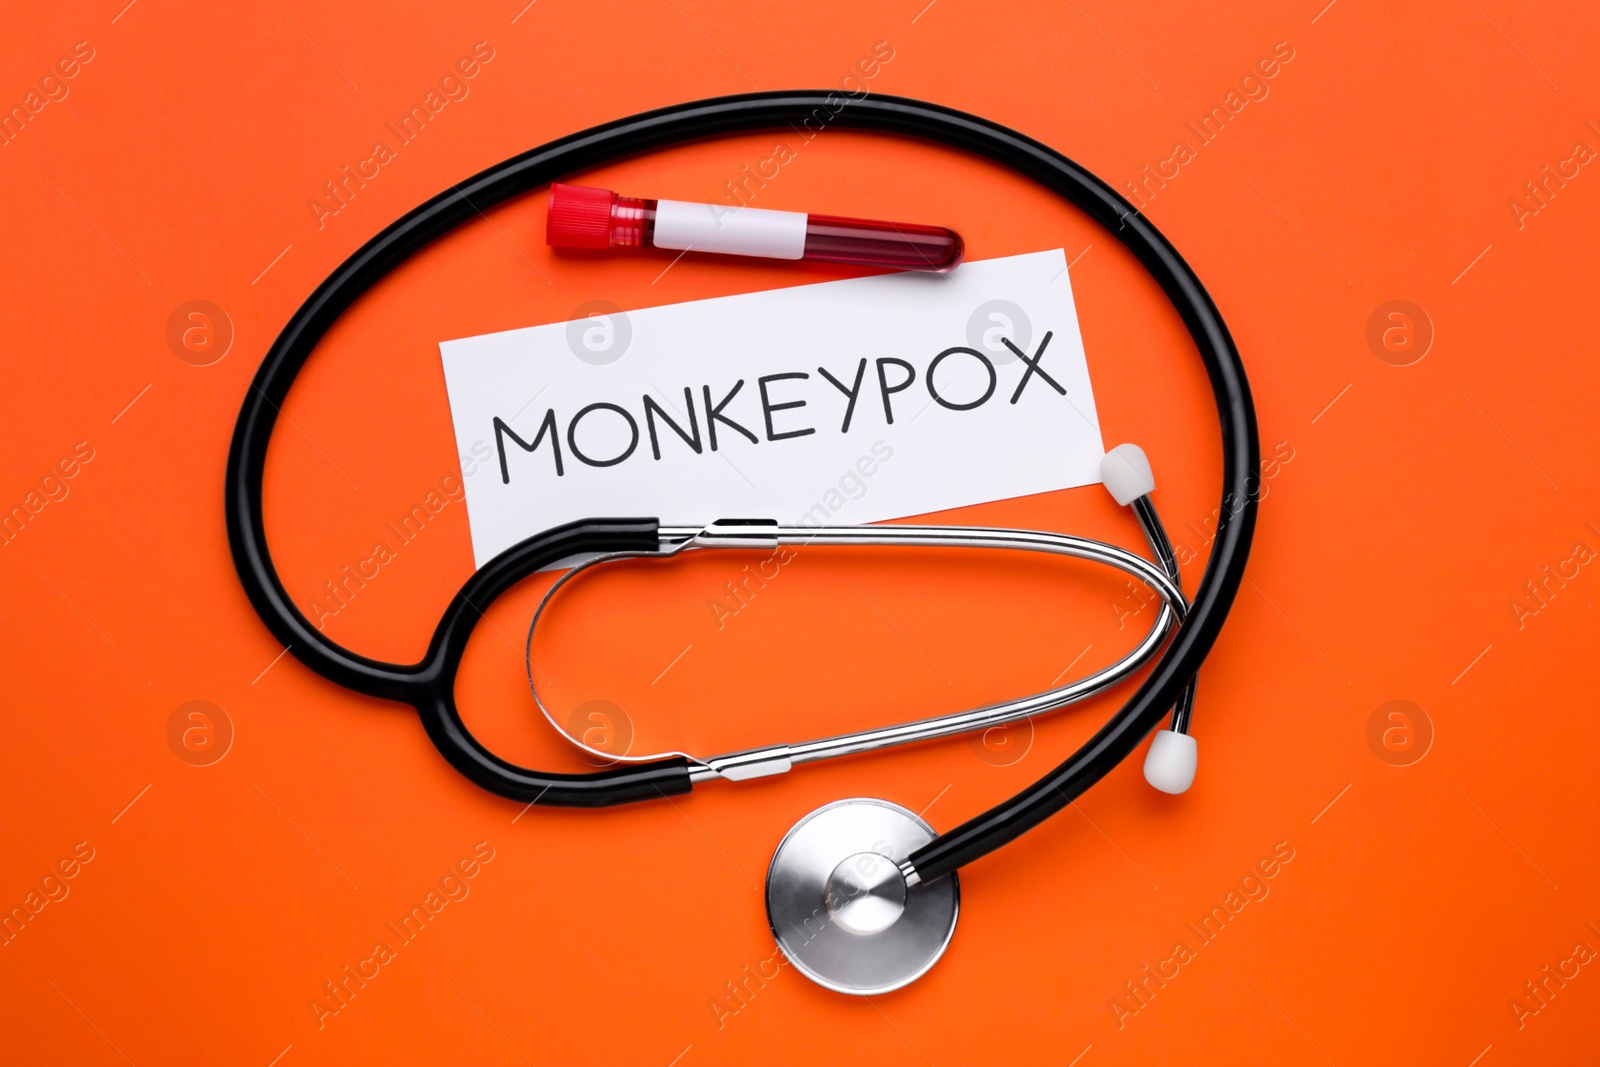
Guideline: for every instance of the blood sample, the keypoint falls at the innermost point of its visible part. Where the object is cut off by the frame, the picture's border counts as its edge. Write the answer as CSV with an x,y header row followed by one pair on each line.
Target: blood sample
x,y
585,217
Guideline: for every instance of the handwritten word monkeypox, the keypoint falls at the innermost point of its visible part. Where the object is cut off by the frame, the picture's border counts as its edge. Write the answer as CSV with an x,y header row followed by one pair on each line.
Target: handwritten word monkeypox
x,y
891,374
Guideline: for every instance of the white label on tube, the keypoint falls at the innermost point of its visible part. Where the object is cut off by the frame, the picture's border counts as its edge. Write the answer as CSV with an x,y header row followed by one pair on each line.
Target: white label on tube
x,y
739,231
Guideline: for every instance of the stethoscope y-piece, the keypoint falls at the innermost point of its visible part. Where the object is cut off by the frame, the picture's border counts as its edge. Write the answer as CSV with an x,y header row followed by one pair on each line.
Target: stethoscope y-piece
x,y
862,894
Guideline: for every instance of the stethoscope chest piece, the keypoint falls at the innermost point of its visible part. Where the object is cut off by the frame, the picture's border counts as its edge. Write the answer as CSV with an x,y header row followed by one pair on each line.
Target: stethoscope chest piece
x,y
839,903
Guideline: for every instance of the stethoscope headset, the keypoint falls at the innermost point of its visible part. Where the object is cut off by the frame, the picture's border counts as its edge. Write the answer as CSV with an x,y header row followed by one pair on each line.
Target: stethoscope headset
x,y
861,894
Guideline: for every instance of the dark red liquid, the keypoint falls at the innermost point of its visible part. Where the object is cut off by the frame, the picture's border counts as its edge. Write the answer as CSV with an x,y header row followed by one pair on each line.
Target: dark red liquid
x,y
893,245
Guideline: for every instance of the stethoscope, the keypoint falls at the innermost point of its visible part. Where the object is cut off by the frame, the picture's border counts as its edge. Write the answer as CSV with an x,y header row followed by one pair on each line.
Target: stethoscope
x,y
862,895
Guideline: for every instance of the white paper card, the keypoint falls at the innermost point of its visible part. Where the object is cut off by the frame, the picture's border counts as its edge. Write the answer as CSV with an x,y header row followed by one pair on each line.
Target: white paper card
x,y
841,402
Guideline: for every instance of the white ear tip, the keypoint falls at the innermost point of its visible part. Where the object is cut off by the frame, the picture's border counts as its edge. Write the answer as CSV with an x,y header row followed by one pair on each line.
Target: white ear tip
x,y
1170,763
1126,472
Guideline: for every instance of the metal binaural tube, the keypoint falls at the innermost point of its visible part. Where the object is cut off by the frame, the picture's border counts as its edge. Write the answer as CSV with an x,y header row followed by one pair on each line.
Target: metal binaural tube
x,y
765,534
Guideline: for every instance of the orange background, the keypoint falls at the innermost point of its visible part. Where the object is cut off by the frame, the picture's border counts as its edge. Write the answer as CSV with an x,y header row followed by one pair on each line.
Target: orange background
x,y
1418,502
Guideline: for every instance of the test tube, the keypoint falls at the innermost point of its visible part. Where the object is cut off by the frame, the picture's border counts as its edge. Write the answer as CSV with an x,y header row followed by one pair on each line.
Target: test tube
x,y
585,217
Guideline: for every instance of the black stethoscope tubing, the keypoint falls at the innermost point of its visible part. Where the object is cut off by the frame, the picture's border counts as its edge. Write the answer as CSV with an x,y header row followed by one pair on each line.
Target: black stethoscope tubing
x,y
429,684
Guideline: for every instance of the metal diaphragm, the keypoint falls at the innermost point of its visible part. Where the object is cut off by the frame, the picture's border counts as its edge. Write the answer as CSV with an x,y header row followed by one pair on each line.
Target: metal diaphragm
x,y
839,904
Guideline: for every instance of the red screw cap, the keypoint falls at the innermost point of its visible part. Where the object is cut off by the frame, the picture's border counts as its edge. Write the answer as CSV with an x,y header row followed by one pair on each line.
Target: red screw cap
x,y
580,217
